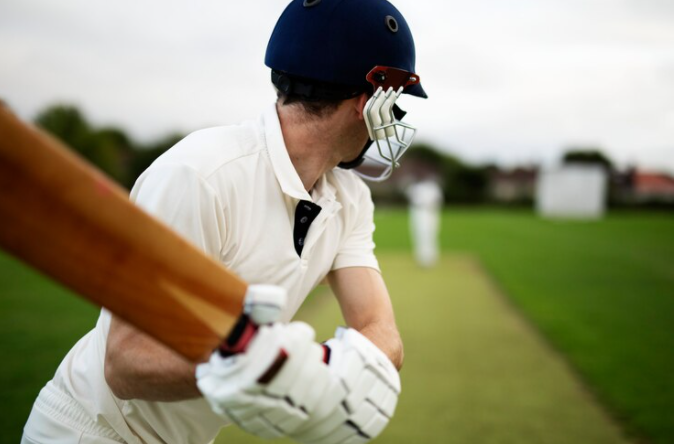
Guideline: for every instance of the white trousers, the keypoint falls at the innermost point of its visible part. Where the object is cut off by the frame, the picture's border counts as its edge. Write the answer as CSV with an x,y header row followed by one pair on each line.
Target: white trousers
x,y
57,419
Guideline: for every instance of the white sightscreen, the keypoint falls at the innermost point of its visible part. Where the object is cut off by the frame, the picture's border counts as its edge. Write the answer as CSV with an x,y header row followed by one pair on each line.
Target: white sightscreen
x,y
571,191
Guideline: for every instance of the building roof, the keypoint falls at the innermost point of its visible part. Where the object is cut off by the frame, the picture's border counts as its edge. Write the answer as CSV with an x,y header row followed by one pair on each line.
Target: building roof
x,y
645,182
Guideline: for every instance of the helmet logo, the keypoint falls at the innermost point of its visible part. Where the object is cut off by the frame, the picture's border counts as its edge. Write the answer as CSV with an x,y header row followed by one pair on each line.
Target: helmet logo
x,y
311,3
391,23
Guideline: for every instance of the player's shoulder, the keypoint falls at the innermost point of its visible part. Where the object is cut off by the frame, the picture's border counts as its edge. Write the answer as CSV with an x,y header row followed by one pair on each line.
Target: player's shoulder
x,y
207,150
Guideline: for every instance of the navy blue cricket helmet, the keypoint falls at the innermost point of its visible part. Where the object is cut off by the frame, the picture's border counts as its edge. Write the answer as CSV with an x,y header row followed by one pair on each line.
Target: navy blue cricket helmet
x,y
324,49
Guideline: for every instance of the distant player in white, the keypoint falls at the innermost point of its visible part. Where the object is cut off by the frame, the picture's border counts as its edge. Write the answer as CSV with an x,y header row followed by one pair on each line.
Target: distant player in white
x,y
425,200
277,201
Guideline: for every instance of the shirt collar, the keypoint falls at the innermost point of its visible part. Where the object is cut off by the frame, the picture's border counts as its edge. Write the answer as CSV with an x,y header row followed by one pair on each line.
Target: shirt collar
x,y
324,189
286,174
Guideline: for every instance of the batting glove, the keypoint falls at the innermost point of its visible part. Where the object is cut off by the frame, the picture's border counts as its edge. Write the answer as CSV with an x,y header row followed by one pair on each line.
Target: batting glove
x,y
373,387
268,388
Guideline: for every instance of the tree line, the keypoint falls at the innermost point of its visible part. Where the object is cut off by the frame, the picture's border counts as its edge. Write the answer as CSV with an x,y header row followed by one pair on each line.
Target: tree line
x,y
123,159
109,148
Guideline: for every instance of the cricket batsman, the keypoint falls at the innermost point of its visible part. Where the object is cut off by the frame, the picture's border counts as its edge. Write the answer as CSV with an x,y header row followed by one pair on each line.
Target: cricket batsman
x,y
280,201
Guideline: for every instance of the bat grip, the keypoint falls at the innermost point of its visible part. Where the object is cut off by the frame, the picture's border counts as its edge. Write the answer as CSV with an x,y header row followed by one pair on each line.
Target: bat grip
x,y
238,340
327,353
240,336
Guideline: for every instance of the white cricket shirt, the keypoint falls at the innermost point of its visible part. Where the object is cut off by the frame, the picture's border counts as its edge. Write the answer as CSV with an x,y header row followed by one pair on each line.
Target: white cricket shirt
x,y
233,192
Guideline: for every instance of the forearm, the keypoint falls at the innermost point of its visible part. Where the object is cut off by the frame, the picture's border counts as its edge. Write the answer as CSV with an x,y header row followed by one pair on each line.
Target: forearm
x,y
386,337
366,307
138,367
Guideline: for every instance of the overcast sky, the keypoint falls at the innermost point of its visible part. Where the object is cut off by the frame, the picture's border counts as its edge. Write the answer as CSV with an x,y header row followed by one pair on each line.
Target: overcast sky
x,y
509,81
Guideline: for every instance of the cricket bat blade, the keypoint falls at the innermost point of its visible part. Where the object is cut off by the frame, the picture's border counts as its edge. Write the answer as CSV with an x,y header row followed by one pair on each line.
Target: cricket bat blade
x,y
67,219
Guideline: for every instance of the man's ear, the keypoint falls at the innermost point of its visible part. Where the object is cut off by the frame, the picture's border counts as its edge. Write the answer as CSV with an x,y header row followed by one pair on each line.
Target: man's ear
x,y
360,103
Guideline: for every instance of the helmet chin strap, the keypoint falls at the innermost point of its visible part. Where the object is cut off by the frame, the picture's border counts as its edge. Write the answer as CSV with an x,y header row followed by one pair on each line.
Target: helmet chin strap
x,y
356,162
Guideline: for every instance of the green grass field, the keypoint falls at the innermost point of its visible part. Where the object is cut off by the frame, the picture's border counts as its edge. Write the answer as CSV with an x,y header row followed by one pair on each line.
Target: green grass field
x,y
478,329
475,372
39,324
600,292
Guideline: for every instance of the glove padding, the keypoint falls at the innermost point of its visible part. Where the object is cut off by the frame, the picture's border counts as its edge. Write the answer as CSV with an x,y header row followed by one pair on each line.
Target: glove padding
x,y
373,387
233,387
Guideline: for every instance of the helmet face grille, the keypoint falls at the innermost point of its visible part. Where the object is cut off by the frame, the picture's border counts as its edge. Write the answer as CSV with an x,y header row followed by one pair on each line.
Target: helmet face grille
x,y
311,3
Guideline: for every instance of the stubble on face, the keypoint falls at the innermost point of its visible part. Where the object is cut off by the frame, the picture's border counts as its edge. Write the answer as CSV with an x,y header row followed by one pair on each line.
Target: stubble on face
x,y
355,140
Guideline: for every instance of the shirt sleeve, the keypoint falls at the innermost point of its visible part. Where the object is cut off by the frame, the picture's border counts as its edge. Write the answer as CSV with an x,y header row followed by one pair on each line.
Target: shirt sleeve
x,y
179,197
357,248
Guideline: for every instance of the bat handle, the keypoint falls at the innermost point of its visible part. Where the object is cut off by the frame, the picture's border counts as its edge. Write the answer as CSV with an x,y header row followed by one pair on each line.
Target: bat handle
x,y
263,305
240,336
239,339
327,353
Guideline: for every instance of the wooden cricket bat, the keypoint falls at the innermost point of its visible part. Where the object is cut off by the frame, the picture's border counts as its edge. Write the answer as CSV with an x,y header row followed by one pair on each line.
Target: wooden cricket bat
x,y
67,219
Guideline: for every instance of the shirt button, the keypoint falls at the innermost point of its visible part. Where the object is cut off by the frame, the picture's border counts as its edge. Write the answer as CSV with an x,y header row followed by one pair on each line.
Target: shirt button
x,y
303,219
301,241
